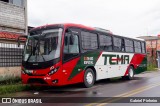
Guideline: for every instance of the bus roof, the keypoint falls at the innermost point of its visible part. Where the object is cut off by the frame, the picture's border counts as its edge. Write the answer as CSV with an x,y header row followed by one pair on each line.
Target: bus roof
x,y
65,25
83,27
138,39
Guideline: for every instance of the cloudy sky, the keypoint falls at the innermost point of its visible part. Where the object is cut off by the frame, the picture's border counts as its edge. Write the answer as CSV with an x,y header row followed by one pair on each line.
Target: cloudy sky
x,y
130,18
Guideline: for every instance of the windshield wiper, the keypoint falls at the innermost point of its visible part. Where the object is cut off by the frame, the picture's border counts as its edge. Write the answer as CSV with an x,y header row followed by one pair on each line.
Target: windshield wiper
x,y
33,50
36,49
42,56
39,52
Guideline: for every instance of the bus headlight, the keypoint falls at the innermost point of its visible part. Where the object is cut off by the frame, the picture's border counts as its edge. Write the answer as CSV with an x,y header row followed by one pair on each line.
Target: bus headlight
x,y
52,71
23,71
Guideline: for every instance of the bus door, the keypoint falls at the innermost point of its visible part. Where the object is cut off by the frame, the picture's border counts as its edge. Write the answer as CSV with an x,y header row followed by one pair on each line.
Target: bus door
x,y
71,54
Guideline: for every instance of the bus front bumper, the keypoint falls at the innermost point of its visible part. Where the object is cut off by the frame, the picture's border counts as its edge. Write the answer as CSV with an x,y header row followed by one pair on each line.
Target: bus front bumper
x,y
41,80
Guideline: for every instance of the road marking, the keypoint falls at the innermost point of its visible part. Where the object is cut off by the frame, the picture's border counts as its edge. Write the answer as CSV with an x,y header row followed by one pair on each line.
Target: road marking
x,y
127,94
139,91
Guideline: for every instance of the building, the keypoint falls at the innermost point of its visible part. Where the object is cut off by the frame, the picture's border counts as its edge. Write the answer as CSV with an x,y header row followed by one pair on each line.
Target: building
x,y
153,49
13,23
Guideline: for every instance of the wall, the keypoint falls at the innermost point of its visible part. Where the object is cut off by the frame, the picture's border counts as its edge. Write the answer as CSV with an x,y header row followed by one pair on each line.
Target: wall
x,y
12,18
9,72
8,62
158,45
151,47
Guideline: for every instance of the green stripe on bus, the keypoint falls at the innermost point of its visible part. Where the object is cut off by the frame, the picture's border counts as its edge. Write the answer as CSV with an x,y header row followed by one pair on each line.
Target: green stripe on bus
x,y
142,67
89,59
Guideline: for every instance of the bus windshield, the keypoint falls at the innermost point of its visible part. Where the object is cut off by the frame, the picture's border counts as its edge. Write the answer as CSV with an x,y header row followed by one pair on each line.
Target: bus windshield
x,y
43,47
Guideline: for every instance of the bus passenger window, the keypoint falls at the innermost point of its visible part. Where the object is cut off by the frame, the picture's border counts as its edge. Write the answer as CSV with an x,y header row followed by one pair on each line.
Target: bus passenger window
x,y
137,46
143,47
129,45
117,44
89,41
123,46
105,42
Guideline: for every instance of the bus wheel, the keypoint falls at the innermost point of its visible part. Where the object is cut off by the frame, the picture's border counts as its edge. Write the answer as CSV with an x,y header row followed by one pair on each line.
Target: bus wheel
x,y
89,78
130,73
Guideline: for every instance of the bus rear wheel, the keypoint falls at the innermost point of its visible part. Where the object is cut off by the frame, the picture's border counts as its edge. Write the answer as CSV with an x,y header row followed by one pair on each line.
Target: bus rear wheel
x,y
130,73
89,78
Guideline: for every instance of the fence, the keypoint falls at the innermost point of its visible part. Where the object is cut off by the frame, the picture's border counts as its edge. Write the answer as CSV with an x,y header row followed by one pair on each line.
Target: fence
x,y
10,55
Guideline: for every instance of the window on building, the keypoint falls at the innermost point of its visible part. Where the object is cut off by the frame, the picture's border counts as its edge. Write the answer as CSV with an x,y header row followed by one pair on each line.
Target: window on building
x,y
17,2
5,0
129,45
137,46
105,42
117,42
143,47
89,41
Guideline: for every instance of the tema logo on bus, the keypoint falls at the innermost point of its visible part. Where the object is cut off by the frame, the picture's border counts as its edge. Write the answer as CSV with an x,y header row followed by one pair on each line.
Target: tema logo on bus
x,y
115,59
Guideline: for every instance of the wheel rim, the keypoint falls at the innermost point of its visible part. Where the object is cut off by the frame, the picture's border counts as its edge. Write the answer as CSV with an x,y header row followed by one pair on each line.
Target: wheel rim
x,y
89,78
131,72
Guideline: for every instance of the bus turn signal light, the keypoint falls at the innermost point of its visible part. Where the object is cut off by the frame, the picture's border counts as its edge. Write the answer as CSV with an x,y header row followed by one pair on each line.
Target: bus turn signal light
x,y
53,71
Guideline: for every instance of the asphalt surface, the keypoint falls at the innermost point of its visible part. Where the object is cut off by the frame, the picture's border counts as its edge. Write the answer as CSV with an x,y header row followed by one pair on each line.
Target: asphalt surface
x,y
144,85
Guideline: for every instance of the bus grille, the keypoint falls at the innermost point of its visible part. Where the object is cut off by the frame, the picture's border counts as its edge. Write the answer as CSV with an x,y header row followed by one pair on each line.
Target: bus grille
x,y
36,80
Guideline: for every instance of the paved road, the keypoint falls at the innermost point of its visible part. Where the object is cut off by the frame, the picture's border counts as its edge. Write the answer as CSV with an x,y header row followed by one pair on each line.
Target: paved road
x,y
144,85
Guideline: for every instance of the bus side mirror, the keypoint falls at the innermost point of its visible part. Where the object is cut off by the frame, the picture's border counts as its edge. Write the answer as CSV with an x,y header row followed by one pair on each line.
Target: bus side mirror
x,y
18,39
71,39
66,40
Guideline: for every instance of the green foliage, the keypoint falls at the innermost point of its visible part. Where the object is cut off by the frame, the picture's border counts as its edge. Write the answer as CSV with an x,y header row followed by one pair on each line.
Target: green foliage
x,y
151,67
14,85
6,89
11,81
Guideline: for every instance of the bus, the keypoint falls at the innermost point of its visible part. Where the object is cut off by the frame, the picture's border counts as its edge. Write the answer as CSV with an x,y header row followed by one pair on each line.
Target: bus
x,y
62,54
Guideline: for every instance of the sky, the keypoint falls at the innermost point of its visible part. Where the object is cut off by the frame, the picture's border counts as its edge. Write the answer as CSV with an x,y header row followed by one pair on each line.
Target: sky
x,y
131,18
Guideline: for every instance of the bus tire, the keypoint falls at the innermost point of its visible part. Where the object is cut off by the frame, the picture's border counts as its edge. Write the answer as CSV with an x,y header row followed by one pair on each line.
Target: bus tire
x,y
130,73
89,78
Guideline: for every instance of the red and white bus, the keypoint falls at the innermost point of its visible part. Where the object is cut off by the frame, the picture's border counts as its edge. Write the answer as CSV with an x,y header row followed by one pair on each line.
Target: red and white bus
x,y
62,54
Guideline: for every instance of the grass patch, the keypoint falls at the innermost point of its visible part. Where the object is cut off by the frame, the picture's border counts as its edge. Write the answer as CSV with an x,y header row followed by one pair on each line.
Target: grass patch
x,y
151,67
6,89
10,81
12,85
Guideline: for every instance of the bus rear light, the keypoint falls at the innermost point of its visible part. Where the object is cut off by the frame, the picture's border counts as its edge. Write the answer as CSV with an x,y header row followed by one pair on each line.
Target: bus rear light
x,y
53,71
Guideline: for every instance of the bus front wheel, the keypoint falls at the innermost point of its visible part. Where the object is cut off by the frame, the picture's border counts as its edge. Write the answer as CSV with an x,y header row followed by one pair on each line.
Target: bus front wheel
x,y
89,78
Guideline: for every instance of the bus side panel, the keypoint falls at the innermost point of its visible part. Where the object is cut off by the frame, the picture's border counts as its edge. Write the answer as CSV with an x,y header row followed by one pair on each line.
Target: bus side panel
x,y
112,64
76,67
139,61
70,68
